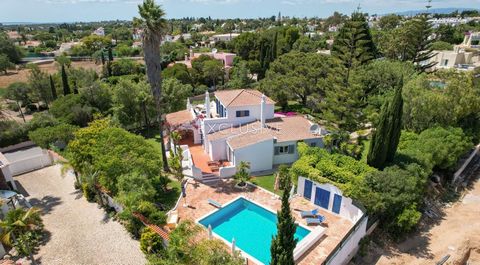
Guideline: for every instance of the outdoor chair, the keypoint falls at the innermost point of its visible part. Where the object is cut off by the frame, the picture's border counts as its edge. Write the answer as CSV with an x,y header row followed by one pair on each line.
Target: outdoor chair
x,y
311,213
316,221
214,203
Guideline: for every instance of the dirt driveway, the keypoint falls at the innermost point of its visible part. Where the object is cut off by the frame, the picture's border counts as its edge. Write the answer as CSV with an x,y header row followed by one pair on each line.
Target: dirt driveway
x,y
78,231
457,234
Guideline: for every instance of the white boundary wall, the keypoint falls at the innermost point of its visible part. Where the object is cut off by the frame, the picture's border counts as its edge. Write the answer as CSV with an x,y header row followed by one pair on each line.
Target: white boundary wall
x,y
349,245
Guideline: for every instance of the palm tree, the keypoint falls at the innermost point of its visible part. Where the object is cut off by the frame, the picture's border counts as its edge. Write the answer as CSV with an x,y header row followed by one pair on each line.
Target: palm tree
x,y
21,229
242,175
176,137
154,26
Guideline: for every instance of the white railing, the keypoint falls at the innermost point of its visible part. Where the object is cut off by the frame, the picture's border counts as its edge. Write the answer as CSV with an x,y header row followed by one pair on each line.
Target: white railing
x,y
308,242
228,171
190,170
31,163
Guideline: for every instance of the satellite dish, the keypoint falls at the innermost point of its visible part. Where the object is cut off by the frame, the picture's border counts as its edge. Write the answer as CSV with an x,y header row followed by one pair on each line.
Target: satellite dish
x,y
214,50
314,129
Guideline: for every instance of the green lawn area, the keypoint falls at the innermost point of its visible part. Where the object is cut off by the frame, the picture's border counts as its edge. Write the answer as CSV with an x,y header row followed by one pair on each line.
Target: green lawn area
x,y
267,182
171,196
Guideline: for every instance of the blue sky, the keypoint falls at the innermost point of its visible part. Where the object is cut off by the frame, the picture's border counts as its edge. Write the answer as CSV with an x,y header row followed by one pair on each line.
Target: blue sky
x,y
95,10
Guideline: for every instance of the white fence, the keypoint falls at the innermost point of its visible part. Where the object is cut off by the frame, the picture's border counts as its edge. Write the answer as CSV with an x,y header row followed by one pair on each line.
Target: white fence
x,y
30,162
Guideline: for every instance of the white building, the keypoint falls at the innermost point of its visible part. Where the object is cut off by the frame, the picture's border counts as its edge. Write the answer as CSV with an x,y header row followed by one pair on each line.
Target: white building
x,y
240,125
331,199
463,57
99,32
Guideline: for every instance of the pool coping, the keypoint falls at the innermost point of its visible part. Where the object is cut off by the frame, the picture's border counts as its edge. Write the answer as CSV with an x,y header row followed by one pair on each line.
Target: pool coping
x,y
242,252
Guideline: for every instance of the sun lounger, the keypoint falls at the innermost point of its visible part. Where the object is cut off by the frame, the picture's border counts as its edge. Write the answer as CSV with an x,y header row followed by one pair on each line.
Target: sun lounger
x,y
214,203
315,221
311,213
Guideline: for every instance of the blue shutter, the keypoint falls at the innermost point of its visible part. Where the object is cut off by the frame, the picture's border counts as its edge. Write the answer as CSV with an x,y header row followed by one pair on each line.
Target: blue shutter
x,y
337,202
247,113
322,197
307,191
276,150
239,113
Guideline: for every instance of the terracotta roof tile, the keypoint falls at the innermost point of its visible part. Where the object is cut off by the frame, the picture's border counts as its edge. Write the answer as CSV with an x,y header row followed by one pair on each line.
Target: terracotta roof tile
x,y
180,117
284,129
241,97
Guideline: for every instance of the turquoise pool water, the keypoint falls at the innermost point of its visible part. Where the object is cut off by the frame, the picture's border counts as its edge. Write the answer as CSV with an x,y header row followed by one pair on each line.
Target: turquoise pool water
x,y
251,225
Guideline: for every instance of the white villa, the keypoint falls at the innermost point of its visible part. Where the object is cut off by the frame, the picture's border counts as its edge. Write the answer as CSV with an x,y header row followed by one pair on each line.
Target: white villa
x,y
239,125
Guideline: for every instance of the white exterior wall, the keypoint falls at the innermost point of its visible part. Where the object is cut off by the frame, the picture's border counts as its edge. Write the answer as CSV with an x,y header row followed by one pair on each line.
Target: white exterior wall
x,y
30,164
290,158
259,155
349,245
347,209
285,158
218,149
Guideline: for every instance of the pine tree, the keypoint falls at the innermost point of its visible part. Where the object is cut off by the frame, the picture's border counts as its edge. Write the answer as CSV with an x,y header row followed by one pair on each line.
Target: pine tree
x,y
354,45
52,88
66,86
422,49
284,242
386,137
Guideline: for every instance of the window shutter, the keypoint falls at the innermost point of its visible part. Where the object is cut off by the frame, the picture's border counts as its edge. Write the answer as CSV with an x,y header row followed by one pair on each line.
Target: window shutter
x,y
276,150
247,113
239,113
291,149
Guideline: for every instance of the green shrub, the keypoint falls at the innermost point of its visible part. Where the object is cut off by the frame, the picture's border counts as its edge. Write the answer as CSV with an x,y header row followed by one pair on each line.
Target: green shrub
x,y
407,220
59,135
88,192
150,242
158,218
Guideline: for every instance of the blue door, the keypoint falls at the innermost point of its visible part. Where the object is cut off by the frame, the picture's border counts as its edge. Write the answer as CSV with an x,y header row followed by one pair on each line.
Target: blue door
x,y
307,191
322,198
337,202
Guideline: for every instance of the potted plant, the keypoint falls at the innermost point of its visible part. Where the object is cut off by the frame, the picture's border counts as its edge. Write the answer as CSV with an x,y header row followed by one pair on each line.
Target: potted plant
x,y
242,175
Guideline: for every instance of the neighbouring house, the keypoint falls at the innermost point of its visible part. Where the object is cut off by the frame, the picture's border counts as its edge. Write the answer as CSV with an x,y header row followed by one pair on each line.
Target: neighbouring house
x,y
465,56
224,37
225,57
239,125
99,32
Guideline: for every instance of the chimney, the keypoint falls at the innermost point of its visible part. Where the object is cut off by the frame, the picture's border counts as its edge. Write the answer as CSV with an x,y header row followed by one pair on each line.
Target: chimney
x,y
262,111
207,104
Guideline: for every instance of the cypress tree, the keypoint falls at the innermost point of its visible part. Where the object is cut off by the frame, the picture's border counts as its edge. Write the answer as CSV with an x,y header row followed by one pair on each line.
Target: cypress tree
x,y
66,87
102,57
386,137
397,113
284,242
110,54
52,88
274,46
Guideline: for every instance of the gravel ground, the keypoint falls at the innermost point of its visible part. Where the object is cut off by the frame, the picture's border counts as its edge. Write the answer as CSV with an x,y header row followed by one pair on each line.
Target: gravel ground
x,y
78,231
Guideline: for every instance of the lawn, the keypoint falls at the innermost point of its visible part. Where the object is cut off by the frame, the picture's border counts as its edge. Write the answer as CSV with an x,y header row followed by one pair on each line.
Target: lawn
x,y
267,182
169,198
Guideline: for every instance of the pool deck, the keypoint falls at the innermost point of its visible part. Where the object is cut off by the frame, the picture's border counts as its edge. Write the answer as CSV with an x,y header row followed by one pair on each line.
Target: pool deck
x,y
224,192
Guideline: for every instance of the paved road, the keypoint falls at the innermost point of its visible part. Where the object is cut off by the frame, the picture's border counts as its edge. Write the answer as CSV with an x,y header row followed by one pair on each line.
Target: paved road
x,y
78,231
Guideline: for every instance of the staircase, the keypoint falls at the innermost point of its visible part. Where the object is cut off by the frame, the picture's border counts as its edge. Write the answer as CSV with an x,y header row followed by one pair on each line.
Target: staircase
x,y
210,178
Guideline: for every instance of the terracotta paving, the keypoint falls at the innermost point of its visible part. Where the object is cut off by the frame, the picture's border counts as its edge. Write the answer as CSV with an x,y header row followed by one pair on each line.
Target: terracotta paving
x,y
200,158
224,191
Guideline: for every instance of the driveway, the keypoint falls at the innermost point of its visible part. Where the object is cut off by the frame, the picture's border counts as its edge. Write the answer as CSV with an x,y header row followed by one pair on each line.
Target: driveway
x,y
78,232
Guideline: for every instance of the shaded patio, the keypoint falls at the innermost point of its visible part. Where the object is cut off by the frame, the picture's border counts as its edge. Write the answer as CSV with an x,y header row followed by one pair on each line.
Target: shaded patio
x,y
198,206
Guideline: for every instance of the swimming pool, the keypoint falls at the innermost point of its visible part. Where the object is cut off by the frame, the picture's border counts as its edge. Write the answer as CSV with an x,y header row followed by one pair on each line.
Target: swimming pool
x,y
251,225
